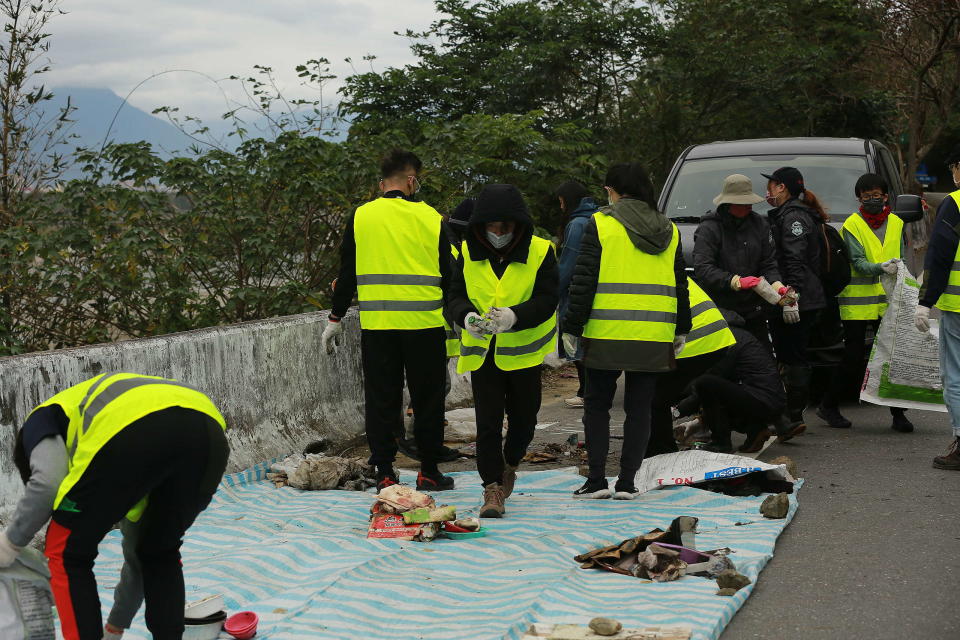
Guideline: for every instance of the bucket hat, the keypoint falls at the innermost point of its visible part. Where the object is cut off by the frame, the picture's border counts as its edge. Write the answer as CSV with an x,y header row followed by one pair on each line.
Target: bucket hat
x,y
737,189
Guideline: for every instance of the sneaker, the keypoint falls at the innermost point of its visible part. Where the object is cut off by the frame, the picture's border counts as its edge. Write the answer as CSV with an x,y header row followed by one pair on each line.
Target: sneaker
x,y
509,479
623,491
951,460
595,489
492,501
901,423
755,443
576,402
431,482
833,417
387,479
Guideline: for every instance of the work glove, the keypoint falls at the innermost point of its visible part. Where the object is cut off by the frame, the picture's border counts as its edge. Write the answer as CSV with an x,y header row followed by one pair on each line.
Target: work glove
x,y
678,343
473,325
791,313
749,282
8,551
111,632
788,296
890,266
333,329
570,344
502,319
768,292
735,283
921,319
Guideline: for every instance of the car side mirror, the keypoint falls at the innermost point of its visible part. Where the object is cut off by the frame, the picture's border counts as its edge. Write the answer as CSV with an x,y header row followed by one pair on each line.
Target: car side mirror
x,y
908,207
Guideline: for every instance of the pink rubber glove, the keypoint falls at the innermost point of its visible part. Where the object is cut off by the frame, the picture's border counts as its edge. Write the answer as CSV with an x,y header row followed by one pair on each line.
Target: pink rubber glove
x,y
749,282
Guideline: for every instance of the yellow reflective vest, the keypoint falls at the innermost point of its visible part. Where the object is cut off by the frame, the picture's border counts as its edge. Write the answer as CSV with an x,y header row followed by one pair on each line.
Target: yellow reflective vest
x,y
950,300
101,407
636,296
710,331
514,349
864,298
398,265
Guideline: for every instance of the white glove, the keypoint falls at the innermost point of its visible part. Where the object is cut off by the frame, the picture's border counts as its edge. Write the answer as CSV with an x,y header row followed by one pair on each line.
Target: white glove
x,y
503,318
890,266
472,325
678,343
791,313
331,331
8,551
570,344
767,291
111,635
735,283
921,319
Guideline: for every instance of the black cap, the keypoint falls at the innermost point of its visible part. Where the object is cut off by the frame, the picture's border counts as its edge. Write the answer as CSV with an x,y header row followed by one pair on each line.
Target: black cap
x,y
461,215
954,156
789,177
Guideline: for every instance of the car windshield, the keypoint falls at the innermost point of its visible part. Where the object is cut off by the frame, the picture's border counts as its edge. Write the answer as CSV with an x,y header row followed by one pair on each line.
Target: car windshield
x,y
831,178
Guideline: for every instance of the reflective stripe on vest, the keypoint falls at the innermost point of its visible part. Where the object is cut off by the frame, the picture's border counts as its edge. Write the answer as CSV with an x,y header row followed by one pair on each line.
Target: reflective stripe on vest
x,y
950,300
636,296
99,408
514,349
398,267
864,298
710,331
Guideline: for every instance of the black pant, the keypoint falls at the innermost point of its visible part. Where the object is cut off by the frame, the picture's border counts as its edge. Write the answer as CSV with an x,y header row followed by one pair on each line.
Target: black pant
x,y
847,378
731,406
581,377
177,456
671,388
637,402
790,340
757,326
387,355
494,392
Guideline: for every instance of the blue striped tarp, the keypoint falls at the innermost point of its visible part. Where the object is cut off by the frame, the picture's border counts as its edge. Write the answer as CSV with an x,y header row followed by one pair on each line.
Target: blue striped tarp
x,y
301,561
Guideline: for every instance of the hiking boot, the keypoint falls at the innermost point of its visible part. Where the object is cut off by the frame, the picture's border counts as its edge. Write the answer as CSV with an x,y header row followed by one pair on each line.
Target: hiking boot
x,y
625,491
755,442
434,482
492,501
951,460
593,489
833,417
900,422
386,479
576,402
509,479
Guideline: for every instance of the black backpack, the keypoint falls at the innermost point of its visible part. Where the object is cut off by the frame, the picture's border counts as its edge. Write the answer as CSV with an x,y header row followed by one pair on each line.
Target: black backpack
x,y
834,261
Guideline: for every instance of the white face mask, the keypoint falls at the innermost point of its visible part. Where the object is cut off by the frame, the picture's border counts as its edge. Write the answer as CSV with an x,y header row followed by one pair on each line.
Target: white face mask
x,y
499,242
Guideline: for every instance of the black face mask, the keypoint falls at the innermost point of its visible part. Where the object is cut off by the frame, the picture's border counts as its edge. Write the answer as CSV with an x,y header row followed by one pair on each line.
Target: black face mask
x,y
873,206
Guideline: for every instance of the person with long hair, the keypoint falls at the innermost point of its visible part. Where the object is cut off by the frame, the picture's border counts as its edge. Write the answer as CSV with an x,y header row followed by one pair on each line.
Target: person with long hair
x,y
795,223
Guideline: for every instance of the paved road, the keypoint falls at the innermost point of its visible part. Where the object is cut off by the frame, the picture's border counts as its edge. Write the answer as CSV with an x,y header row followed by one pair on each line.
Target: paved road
x,y
874,551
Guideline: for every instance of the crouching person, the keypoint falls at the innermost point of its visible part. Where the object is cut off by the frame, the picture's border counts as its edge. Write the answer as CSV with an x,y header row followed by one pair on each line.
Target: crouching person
x,y
145,450
504,294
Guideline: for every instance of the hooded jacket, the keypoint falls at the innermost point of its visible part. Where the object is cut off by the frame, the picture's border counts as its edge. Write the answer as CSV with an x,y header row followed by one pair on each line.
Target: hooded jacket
x,y
725,246
572,237
650,232
503,203
796,232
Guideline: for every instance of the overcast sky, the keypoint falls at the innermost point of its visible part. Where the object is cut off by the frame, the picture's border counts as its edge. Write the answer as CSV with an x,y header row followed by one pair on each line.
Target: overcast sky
x,y
118,43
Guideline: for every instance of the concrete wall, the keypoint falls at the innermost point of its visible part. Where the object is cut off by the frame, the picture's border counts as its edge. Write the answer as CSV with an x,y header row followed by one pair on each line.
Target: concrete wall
x,y
276,387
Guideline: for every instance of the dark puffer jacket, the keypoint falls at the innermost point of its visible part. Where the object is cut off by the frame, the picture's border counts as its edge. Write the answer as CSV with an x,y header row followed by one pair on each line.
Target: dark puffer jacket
x,y
726,246
650,232
797,234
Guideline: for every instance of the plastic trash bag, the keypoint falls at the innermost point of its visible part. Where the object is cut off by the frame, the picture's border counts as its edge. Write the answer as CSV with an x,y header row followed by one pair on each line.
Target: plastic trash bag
x,y
26,602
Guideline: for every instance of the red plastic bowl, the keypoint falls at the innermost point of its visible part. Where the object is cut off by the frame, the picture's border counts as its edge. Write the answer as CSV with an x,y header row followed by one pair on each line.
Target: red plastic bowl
x,y
242,625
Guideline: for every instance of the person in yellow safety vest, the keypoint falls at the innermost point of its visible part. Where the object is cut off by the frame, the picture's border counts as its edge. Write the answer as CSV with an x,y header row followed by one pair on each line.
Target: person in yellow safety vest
x,y
941,287
504,294
395,254
143,450
630,304
706,343
875,243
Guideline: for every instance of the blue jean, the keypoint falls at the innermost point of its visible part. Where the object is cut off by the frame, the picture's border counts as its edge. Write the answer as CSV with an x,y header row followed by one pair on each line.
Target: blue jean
x,y
950,365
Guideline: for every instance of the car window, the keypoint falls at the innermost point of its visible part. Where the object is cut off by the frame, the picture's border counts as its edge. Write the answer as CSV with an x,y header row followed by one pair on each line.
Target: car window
x,y
832,178
890,170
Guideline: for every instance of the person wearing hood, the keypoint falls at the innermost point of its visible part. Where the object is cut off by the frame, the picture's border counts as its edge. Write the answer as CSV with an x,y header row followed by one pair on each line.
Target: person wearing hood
x,y
732,248
795,222
875,243
504,295
630,305
941,288
579,206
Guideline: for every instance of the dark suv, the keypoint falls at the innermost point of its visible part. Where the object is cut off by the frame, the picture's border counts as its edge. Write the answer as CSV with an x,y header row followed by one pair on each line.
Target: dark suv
x,y
830,168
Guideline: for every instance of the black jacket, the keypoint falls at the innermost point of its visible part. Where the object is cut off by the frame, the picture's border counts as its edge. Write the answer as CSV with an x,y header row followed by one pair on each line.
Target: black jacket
x,y
725,246
797,234
750,364
623,355
941,252
543,301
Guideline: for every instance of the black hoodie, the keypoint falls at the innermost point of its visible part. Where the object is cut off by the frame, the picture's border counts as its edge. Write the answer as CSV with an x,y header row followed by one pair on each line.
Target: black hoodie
x,y
503,203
